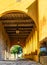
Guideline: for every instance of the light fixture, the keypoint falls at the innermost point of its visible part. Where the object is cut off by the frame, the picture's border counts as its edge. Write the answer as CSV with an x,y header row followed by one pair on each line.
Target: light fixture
x,y
18,42
17,31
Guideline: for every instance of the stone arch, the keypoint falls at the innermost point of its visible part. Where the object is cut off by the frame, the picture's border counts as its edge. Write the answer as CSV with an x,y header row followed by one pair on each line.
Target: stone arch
x,y
16,50
16,44
6,12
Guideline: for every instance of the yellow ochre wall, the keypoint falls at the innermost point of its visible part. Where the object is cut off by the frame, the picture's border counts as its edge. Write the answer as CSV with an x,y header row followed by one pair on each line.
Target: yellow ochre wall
x,y
33,12
31,43
31,46
42,12
7,5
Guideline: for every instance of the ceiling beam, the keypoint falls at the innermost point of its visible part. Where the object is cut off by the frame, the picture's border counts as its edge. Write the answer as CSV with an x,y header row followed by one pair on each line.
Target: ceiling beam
x,y
14,25
15,18
18,34
21,40
18,27
17,21
16,15
13,31
18,38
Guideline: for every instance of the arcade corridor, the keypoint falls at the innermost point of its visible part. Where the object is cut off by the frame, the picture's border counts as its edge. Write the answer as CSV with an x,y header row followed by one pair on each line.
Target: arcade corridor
x,y
19,29
23,23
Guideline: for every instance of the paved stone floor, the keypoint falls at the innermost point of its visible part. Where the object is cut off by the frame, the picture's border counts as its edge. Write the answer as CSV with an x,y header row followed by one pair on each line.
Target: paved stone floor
x,y
19,63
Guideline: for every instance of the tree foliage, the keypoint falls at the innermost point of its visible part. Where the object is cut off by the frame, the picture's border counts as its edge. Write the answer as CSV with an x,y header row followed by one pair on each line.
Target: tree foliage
x,y
16,49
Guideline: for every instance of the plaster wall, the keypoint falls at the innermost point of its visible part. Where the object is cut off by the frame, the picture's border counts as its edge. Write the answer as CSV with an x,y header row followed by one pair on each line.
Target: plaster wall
x,y
42,12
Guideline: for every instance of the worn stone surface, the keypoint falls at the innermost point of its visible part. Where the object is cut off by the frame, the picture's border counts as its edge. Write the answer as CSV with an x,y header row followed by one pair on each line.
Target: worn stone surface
x,y
19,63
43,60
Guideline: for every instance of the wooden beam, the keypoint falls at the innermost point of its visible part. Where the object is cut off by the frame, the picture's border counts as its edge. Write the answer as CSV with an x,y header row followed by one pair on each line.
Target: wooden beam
x,y
14,25
13,31
20,38
17,21
18,27
15,18
18,34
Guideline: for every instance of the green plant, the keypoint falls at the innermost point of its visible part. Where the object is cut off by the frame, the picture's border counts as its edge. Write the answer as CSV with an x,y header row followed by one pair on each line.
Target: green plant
x,y
16,49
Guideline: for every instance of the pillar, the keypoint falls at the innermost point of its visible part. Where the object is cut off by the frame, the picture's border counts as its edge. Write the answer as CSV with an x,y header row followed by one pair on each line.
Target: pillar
x,y
1,43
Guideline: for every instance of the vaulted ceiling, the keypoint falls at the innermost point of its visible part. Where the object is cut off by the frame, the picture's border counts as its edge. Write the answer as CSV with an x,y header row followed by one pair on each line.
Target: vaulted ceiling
x,y
17,21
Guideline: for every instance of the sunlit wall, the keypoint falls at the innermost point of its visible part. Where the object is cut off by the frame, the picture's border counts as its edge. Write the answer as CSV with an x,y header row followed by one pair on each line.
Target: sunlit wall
x,y
31,43
42,11
7,5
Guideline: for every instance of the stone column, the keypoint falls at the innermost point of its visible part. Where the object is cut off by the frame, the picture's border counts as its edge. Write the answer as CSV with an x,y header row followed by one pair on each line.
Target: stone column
x,y
1,43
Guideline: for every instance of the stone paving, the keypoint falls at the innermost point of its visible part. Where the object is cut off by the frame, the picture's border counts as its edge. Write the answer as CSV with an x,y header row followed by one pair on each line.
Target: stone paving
x,y
19,63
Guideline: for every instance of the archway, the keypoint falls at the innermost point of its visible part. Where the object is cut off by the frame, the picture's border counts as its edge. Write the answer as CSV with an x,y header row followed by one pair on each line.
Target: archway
x,y
17,51
20,29
10,11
